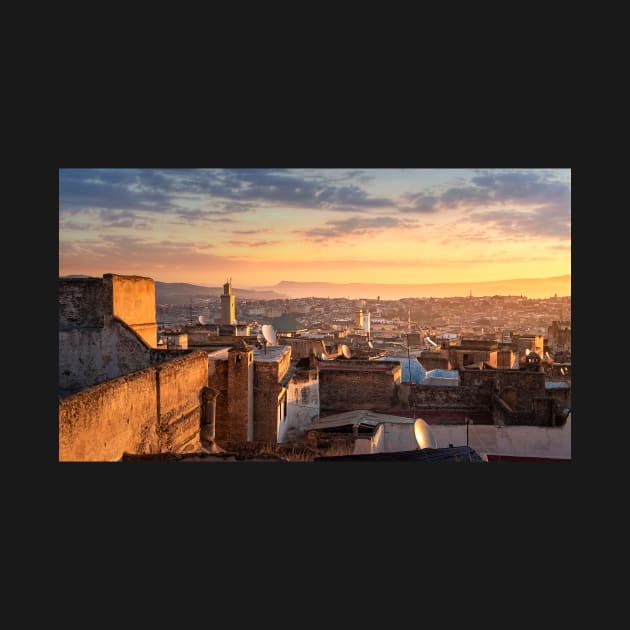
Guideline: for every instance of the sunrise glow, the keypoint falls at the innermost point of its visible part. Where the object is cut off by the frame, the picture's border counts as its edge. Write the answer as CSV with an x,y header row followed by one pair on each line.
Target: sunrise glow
x,y
262,226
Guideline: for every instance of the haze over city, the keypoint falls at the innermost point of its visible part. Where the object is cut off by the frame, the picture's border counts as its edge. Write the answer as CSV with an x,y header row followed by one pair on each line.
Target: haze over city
x,y
264,226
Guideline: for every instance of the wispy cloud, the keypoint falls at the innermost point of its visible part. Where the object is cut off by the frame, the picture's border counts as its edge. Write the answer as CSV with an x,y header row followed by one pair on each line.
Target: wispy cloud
x,y
353,226
252,243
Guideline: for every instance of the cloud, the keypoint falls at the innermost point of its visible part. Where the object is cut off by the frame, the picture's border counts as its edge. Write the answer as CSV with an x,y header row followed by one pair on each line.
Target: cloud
x,y
537,202
227,191
353,226
256,231
539,222
251,244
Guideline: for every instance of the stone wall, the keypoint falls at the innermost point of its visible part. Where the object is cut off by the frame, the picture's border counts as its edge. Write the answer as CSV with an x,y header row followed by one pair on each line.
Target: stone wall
x,y
414,396
154,410
360,385
133,302
218,379
527,384
82,303
88,356
106,328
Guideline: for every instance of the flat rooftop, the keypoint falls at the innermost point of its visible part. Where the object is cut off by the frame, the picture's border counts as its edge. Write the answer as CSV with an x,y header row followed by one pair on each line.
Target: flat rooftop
x,y
271,353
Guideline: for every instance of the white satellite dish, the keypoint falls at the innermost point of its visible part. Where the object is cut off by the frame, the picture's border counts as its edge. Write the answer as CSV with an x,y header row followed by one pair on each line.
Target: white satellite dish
x,y
202,319
346,351
269,333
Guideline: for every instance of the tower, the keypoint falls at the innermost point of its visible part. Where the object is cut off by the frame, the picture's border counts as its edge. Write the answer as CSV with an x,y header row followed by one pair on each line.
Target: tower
x,y
228,312
358,318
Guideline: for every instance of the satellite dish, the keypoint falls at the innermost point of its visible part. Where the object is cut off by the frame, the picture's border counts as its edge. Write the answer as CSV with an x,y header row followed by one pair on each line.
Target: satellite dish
x,y
527,351
346,351
370,345
202,319
269,333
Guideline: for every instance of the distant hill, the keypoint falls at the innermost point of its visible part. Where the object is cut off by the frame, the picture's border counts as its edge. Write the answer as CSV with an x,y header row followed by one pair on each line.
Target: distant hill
x,y
182,293
529,287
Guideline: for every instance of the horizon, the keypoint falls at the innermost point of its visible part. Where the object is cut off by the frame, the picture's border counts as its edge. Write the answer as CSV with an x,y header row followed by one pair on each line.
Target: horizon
x,y
341,226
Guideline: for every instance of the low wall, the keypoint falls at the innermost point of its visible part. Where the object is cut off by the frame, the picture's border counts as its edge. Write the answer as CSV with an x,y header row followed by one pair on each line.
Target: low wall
x,y
154,410
365,385
439,397
518,441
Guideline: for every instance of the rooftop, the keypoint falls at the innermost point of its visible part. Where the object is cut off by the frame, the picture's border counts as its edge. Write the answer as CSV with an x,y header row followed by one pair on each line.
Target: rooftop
x,y
270,353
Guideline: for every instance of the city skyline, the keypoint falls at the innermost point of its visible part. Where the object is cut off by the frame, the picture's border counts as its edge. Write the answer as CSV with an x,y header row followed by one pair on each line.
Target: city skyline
x,y
263,226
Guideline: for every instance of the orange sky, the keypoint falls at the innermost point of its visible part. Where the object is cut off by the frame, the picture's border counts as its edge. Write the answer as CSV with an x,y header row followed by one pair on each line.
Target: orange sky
x,y
263,226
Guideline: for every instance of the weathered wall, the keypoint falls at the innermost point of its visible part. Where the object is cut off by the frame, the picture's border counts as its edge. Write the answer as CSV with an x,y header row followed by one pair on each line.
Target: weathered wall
x,y
553,442
154,410
106,326
180,384
362,387
218,379
302,404
561,395
82,303
415,396
100,423
239,422
528,385
88,356
133,302
267,390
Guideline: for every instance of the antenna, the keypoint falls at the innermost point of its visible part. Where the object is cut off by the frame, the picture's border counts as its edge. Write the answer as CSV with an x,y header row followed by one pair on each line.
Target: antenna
x,y
269,333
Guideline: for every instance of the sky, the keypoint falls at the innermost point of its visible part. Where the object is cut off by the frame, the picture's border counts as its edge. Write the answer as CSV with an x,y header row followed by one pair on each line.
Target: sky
x,y
262,226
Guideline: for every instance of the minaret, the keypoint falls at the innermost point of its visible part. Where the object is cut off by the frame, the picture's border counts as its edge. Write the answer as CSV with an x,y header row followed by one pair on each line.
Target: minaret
x,y
228,312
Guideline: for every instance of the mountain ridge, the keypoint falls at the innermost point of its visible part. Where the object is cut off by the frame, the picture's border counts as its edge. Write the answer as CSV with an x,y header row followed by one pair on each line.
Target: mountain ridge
x,y
530,287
